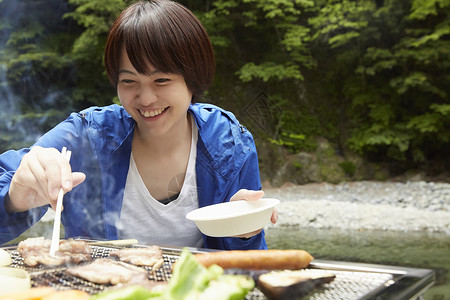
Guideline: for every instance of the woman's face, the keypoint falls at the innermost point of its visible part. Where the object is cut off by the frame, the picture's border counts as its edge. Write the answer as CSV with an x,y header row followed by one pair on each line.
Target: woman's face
x,y
157,102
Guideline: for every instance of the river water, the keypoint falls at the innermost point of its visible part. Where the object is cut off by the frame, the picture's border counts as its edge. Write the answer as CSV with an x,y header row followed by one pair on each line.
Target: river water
x,y
406,249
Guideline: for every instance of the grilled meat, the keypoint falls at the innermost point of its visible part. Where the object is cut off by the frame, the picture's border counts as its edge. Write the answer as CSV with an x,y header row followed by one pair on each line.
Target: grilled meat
x,y
108,271
36,251
148,256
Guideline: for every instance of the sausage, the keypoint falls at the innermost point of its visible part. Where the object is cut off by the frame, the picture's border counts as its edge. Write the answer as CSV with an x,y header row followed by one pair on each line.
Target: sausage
x,y
257,259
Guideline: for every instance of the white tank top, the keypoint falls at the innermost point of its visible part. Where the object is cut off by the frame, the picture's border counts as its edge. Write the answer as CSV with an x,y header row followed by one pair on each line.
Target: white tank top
x,y
151,222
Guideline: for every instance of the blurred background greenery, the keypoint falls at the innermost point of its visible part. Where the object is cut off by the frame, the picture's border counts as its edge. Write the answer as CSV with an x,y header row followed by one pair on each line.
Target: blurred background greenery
x,y
372,78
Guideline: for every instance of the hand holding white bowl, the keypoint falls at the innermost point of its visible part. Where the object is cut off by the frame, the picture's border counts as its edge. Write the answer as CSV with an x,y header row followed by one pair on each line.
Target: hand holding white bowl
x,y
244,216
250,195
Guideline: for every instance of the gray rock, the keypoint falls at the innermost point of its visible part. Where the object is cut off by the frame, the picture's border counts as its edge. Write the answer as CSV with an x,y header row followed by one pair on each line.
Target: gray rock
x,y
409,206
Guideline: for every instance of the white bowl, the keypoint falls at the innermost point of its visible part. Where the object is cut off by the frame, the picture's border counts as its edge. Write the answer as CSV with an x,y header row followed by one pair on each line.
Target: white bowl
x,y
233,218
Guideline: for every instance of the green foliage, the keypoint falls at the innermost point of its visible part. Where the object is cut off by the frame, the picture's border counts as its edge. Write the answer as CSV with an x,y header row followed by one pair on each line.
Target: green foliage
x,y
47,61
296,134
340,22
421,9
348,167
293,142
375,73
267,71
32,68
410,71
95,18
280,8
266,19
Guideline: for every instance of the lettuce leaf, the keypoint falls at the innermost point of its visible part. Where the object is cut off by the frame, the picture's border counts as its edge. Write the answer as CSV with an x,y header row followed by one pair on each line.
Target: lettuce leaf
x,y
228,287
189,278
192,281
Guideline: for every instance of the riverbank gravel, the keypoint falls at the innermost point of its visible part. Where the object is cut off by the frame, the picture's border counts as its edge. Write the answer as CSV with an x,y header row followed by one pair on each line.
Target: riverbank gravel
x,y
365,205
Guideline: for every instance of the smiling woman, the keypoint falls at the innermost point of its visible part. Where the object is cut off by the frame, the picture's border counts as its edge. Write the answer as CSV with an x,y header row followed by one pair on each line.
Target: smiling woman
x,y
148,162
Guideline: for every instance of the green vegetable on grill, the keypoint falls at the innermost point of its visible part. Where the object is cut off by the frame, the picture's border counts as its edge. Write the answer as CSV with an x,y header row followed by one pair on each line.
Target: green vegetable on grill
x,y
190,281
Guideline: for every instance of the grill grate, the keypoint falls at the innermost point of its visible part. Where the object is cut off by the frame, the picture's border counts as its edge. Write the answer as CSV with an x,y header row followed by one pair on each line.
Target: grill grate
x,y
347,285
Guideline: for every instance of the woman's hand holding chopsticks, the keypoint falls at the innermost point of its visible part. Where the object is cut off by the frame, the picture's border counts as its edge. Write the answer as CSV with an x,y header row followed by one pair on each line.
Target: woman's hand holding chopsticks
x,y
40,176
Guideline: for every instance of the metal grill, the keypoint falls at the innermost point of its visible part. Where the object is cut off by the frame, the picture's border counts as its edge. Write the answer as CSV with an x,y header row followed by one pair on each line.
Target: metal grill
x,y
60,280
347,285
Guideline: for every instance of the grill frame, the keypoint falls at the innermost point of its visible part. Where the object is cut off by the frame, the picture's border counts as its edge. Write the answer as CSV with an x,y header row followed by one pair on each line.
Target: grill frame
x,y
383,282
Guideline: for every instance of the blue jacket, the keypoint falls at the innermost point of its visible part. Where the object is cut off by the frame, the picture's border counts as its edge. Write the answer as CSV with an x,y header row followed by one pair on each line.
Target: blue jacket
x,y
100,141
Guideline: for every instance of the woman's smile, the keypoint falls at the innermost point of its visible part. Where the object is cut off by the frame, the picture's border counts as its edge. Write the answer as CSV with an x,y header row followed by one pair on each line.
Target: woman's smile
x,y
152,113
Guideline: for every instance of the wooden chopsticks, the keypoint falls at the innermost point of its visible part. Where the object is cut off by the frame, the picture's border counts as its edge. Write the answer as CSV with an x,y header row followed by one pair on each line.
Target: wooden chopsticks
x,y
57,222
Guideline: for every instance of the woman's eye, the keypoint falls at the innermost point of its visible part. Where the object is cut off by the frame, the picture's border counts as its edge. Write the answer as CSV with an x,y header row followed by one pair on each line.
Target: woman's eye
x,y
127,81
162,80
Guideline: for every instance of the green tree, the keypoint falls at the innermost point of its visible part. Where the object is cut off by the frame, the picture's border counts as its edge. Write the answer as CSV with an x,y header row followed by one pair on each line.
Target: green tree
x,y
51,63
371,76
34,69
95,18
262,46
404,91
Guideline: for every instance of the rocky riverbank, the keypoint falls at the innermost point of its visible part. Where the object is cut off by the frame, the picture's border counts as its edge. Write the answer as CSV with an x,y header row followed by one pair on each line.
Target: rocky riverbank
x,y
365,205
